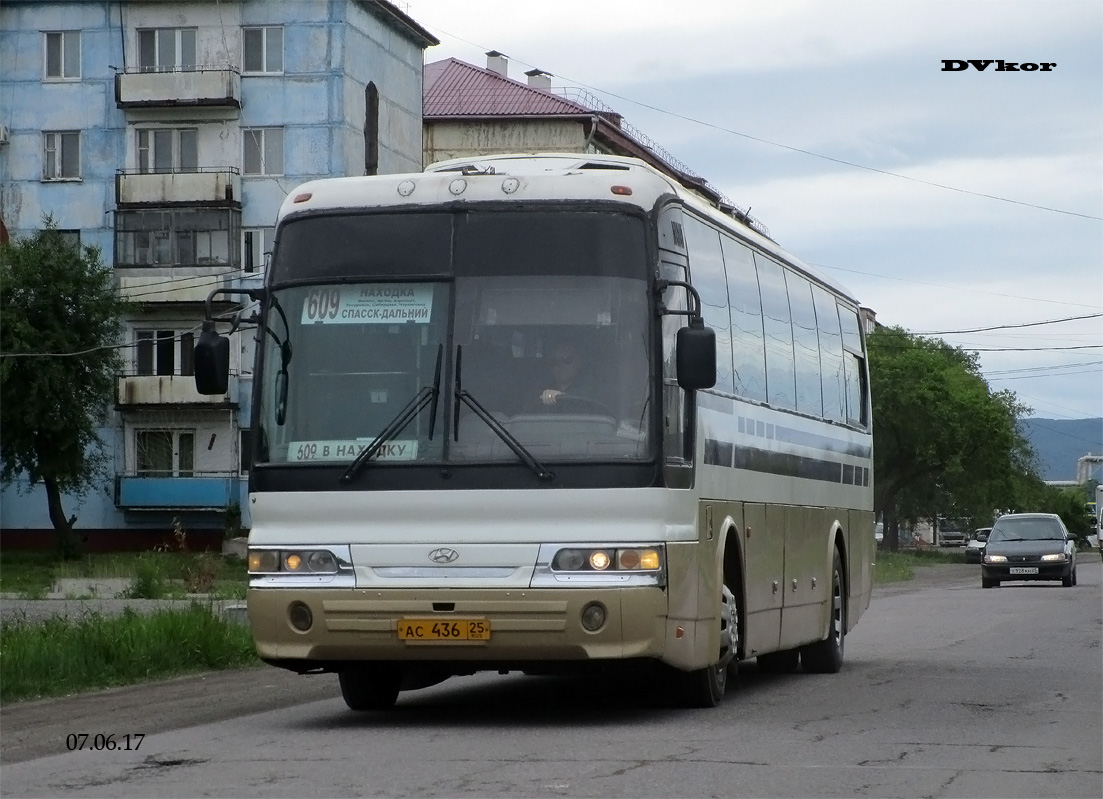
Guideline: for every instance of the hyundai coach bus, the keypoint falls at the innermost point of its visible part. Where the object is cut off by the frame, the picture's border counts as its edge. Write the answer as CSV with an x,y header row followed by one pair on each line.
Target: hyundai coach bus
x,y
429,499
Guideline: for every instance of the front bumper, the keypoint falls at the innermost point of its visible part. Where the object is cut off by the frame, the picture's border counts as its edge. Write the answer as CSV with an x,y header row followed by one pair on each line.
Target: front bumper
x,y
526,626
1046,571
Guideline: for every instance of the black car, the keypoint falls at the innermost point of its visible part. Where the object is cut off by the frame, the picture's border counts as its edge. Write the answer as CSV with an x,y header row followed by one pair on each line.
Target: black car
x,y
1028,546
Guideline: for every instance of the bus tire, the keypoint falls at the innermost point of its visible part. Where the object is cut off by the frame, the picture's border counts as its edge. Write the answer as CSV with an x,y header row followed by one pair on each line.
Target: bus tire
x,y
706,687
370,686
826,656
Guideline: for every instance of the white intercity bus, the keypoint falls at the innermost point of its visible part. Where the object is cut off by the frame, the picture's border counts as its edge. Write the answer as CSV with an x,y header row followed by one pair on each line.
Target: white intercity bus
x,y
548,413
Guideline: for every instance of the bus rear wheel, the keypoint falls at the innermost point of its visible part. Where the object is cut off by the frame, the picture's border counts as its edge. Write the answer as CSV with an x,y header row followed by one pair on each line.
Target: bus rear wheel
x,y
370,686
826,656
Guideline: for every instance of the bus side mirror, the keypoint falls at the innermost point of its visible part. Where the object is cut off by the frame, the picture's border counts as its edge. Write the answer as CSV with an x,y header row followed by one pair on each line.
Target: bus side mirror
x,y
212,361
696,354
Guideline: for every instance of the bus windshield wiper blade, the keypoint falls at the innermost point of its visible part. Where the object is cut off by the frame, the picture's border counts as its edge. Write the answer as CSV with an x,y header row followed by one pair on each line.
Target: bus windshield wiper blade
x,y
426,395
499,429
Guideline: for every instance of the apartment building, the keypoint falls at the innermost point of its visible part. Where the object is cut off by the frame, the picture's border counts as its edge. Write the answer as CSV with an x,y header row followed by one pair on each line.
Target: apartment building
x,y
167,134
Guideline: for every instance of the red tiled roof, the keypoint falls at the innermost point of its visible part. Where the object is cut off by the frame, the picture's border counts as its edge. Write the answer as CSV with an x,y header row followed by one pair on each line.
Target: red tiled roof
x,y
454,88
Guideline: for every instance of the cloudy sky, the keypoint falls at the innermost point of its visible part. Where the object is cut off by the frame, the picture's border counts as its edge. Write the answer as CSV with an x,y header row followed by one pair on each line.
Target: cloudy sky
x,y
946,201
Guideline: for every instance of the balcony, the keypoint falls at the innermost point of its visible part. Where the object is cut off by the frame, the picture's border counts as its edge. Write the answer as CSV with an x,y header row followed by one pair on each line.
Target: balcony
x,y
203,187
210,87
173,286
149,492
134,391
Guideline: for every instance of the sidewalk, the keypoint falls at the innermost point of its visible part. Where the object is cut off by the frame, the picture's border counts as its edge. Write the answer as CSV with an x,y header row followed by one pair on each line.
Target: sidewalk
x,y
76,597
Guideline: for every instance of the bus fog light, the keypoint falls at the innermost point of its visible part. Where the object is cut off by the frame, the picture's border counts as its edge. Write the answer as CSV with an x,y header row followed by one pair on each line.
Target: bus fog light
x,y
300,616
593,617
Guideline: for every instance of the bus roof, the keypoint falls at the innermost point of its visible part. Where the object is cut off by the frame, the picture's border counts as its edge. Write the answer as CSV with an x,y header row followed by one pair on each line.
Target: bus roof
x,y
524,177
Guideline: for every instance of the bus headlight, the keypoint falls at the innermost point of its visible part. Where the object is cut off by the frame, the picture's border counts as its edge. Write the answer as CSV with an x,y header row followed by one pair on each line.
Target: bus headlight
x,y
292,561
604,559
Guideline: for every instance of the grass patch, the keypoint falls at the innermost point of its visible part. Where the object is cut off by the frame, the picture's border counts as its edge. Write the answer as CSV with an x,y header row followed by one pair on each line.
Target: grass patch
x,y
897,567
30,574
153,574
63,656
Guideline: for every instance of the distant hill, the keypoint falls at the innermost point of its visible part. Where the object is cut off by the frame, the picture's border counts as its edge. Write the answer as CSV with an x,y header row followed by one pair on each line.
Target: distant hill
x,y
1061,442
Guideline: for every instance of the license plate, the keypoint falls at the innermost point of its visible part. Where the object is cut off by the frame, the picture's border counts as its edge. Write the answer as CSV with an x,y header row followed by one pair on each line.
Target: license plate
x,y
444,630
1023,570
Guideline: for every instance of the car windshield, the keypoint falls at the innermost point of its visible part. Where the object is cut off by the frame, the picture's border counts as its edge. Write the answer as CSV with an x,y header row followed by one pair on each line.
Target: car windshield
x,y
1026,530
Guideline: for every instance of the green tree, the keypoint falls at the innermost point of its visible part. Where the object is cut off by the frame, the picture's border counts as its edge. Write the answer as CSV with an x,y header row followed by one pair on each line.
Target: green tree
x,y
944,443
60,325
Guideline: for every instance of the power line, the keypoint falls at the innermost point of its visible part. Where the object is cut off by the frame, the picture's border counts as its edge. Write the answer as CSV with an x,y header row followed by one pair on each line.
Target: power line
x,y
955,288
1009,327
1046,368
792,148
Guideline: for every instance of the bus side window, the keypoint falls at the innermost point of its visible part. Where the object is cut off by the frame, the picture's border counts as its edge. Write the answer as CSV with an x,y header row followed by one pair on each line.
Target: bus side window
x,y
854,367
674,398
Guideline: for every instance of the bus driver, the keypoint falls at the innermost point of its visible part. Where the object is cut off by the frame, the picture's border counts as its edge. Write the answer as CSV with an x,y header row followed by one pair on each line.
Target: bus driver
x,y
564,378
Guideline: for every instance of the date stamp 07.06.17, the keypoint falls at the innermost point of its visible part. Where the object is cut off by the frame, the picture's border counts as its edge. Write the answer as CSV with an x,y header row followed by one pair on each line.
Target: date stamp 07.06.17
x,y
103,742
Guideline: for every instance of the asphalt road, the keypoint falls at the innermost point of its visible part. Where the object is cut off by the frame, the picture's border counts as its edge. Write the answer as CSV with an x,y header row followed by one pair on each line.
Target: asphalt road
x,y
948,690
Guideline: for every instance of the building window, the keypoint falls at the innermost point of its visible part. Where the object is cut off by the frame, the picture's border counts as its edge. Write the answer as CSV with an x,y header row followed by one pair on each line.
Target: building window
x,y
61,155
178,236
256,246
168,150
165,453
166,49
158,352
262,50
263,151
246,450
371,130
70,237
63,55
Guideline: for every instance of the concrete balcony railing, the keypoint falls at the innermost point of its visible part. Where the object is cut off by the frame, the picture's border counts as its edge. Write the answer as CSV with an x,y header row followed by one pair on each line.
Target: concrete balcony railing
x,y
205,186
202,86
175,390
174,285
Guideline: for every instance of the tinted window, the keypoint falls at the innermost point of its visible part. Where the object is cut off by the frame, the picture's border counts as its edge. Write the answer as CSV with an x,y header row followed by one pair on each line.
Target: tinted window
x,y
831,355
780,371
706,266
854,375
806,346
377,245
748,347
586,244
493,243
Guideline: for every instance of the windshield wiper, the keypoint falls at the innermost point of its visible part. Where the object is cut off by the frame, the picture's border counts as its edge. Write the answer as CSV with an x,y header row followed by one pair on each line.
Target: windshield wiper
x,y
477,407
426,395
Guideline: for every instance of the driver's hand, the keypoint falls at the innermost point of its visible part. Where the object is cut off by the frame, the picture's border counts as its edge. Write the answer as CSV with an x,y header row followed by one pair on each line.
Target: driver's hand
x,y
549,396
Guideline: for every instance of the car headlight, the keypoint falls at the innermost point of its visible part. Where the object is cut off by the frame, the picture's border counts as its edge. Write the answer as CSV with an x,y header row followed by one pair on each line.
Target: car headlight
x,y
1059,557
995,559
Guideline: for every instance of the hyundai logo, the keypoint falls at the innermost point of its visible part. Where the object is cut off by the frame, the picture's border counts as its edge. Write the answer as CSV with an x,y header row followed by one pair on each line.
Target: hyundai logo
x,y
443,555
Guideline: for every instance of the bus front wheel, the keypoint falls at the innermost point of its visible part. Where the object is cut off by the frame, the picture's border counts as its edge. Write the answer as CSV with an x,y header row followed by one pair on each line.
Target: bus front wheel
x,y
706,687
370,686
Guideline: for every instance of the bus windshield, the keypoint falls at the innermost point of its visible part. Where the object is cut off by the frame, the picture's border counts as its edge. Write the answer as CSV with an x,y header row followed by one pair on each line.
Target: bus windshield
x,y
548,337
